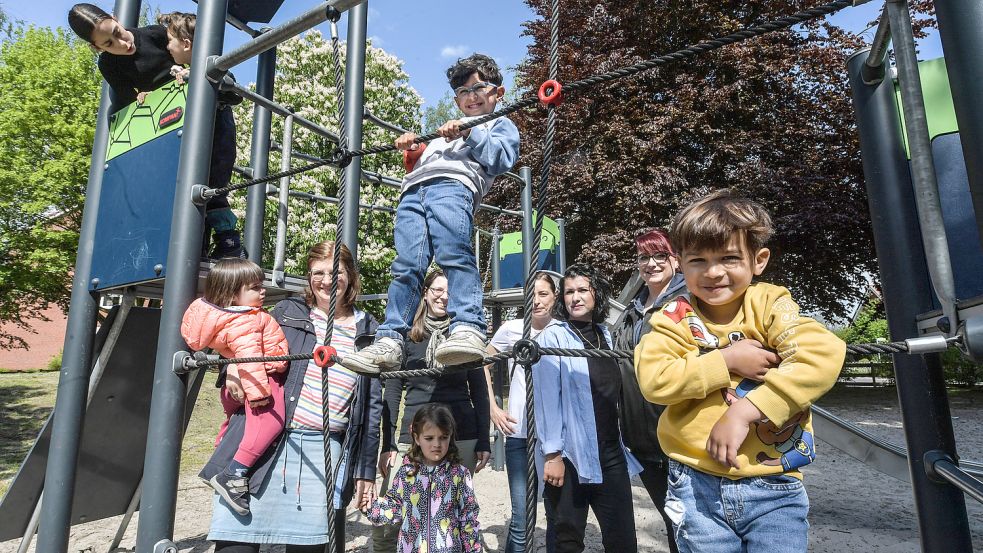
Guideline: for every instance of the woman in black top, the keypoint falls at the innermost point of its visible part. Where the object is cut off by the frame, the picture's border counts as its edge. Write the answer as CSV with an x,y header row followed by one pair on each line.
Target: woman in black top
x,y
464,392
133,61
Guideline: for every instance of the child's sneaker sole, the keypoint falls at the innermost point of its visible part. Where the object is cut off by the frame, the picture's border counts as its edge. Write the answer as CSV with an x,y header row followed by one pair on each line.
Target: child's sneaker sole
x,y
225,496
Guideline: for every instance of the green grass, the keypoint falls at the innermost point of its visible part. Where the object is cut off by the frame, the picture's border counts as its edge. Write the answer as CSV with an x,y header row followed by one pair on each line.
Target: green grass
x,y
26,400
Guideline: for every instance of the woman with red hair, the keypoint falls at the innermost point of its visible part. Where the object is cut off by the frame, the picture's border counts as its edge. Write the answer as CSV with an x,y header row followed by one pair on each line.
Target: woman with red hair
x,y
658,269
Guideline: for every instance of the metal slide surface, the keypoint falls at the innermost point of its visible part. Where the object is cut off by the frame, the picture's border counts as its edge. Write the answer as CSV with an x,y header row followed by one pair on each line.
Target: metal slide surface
x,y
886,457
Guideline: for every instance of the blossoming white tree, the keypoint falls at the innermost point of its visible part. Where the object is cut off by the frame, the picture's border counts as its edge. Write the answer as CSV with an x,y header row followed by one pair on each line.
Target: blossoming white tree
x,y
305,82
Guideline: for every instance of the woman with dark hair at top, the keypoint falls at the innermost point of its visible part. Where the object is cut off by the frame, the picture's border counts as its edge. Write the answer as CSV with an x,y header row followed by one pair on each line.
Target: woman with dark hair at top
x,y
290,505
658,269
512,423
463,392
582,460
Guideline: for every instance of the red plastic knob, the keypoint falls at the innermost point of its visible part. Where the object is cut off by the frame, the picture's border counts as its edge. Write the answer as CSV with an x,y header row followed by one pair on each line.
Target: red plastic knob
x,y
551,93
324,356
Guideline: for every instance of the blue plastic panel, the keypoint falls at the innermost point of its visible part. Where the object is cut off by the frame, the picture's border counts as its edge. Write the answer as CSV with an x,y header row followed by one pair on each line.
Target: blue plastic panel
x,y
511,274
959,217
134,223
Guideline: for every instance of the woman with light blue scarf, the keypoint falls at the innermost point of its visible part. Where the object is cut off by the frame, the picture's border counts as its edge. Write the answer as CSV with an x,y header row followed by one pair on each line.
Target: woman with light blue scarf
x,y
581,459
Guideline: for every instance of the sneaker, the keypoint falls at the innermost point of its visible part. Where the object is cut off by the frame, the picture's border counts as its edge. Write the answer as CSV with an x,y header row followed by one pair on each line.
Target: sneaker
x,y
228,244
464,345
233,489
384,355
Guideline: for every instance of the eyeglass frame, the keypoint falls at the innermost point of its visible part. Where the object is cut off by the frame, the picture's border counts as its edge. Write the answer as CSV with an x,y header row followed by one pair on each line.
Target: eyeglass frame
x,y
643,259
477,88
319,276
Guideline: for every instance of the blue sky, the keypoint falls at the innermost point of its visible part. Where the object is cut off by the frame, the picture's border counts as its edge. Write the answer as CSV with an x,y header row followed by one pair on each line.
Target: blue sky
x,y
427,35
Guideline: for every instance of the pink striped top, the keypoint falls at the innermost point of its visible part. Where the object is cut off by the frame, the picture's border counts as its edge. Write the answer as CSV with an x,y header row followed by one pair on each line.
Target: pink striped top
x,y
341,381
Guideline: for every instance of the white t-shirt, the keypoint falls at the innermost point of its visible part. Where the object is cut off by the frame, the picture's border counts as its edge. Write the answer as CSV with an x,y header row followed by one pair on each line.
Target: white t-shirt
x,y
508,334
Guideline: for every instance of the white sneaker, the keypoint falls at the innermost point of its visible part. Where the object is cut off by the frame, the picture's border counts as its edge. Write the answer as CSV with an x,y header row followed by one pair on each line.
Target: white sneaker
x,y
464,345
384,355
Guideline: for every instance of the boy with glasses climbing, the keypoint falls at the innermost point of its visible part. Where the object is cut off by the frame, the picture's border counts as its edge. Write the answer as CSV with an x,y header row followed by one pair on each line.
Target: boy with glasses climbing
x,y
738,367
444,185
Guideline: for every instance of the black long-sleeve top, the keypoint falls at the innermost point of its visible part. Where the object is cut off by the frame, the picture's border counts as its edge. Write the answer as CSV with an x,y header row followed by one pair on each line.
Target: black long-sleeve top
x,y
466,393
147,69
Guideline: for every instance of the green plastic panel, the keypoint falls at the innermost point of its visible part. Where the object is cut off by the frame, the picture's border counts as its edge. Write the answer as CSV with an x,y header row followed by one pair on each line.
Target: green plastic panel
x,y
938,101
162,112
512,242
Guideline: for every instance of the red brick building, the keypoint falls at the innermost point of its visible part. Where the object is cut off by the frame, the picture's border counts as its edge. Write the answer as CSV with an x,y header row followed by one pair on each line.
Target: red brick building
x,y
42,346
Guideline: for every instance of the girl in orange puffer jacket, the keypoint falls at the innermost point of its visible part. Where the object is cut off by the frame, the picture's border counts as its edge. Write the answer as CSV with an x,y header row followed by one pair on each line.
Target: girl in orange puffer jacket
x,y
231,320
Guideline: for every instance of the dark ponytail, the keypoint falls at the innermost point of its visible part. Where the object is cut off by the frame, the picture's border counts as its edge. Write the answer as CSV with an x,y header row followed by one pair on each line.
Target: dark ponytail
x,y
83,18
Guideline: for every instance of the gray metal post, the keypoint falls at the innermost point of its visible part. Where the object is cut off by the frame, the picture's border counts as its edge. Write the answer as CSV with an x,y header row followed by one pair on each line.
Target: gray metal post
x,y
259,157
167,411
940,508
354,111
498,388
924,181
283,193
960,22
528,219
561,247
66,422
496,277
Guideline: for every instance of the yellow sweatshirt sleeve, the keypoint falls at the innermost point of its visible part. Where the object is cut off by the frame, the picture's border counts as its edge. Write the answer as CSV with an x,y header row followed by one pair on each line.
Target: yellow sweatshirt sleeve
x,y
812,357
670,368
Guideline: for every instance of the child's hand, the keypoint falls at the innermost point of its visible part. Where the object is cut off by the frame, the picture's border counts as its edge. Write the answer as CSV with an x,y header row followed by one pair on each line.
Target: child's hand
x,y
364,494
180,73
232,384
141,96
750,359
730,431
452,130
405,141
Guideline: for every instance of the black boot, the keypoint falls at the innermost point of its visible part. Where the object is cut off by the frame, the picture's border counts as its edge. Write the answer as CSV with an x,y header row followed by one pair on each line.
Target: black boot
x,y
228,244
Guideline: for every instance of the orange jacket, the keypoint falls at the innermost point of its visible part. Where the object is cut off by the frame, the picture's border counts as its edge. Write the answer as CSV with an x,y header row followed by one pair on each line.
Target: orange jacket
x,y
238,331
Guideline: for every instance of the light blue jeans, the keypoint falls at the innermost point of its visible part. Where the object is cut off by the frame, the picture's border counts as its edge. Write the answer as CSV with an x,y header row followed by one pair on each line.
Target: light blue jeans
x,y
762,514
515,467
434,222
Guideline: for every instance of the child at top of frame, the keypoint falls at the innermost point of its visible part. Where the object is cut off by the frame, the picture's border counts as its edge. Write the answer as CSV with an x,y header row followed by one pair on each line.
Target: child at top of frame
x,y
139,60
230,319
738,368
435,219
431,480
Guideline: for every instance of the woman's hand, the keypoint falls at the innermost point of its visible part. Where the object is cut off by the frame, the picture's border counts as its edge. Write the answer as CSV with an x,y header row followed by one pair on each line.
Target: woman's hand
x,y
554,470
483,457
386,461
364,494
504,422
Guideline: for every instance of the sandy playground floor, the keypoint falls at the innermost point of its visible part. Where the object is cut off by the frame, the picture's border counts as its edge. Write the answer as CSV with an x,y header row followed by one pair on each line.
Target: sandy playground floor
x,y
854,508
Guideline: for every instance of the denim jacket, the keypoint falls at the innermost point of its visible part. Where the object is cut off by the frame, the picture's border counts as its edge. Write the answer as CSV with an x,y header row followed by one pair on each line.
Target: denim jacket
x,y
565,407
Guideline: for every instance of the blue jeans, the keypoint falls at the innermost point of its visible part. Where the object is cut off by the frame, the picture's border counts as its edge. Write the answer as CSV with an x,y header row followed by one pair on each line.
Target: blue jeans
x,y
711,514
434,222
515,467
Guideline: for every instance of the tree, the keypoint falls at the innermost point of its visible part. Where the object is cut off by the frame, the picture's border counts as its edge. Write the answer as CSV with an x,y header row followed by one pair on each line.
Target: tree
x,y
769,117
443,111
49,92
305,81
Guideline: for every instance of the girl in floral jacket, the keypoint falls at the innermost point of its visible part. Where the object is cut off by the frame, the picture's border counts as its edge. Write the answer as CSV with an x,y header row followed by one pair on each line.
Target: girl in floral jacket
x,y
431,495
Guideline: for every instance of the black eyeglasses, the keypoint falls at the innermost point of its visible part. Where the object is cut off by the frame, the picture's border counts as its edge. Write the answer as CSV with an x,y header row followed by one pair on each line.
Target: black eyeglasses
x,y
660,258
477,88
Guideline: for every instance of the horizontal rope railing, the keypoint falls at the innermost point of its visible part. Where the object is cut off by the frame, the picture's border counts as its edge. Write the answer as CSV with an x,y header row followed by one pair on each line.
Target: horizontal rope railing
x,y
914,346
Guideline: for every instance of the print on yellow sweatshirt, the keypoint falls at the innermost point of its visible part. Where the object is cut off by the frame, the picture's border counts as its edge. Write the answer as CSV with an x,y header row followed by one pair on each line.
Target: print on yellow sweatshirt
x,y
679,364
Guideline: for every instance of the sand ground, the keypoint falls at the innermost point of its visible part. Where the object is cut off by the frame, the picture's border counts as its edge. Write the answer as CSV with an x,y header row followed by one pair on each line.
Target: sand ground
x,y
854,508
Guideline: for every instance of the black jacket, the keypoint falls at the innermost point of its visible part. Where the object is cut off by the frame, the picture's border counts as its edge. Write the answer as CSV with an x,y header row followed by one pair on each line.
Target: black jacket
x,y
639,418
361,443
464,392
147,69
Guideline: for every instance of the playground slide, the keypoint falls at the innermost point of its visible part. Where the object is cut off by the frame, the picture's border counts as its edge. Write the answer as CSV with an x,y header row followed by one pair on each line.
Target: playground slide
x,y
886,457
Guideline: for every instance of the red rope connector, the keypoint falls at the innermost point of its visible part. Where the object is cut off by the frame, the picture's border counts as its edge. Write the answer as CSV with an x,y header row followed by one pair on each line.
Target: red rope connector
x,y
324,356
411,156
551,93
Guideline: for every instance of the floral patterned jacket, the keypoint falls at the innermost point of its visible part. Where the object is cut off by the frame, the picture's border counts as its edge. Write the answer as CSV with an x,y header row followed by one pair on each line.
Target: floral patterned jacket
x,y
435,507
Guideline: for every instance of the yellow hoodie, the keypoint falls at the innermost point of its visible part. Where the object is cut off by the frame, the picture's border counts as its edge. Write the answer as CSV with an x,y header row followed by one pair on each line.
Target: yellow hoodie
x,y
679,364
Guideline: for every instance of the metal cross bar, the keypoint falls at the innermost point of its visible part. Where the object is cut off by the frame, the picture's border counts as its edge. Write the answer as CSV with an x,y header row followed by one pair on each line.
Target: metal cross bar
x,y
229,85
372,118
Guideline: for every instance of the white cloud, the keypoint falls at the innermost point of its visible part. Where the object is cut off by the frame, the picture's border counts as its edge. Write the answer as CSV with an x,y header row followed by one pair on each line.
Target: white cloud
x,y
455,51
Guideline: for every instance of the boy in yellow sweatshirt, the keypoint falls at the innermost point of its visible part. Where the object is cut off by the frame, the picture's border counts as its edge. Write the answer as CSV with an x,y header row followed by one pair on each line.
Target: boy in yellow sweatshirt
x,y
738,368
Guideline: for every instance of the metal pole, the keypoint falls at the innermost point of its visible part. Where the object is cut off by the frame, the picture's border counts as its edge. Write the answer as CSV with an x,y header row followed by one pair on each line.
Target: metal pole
x,y
873,70
960,22
528,219
354,111
382,123
561,246
259,157
496,277
69,413
922,164
229,85
941,509
279,258
273,37
498,385
167,411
